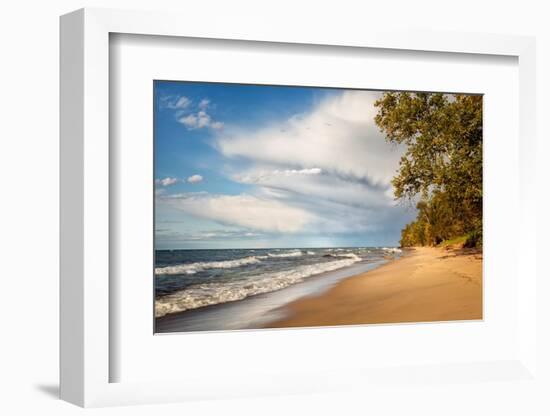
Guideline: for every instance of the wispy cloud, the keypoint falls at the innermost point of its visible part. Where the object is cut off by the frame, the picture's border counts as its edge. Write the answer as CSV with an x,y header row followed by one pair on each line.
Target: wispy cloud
x,y
261,176
248,211
174,102
327,186
338,135
324,172
167,234
332,163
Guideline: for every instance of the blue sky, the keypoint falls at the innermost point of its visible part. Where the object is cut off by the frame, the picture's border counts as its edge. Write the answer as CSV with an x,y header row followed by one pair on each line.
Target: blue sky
x,y
247,166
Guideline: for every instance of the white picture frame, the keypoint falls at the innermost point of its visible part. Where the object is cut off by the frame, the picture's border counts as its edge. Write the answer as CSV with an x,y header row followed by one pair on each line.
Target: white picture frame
x,y
85,210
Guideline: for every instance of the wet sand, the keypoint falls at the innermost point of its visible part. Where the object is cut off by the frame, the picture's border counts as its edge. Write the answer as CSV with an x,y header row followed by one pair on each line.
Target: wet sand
x,y
255,311
428,284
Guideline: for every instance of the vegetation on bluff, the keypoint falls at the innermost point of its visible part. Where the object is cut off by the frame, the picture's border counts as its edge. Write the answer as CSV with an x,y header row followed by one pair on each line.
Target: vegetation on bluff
x,y
441,170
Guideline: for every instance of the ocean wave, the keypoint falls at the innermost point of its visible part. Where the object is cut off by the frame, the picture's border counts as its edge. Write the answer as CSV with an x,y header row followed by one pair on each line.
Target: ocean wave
x,y
206,294
352,256
193,268
392,249
294,253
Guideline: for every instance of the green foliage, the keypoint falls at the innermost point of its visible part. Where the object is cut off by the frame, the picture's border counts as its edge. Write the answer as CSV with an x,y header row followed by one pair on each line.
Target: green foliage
x,y
475,239
442,164
461,240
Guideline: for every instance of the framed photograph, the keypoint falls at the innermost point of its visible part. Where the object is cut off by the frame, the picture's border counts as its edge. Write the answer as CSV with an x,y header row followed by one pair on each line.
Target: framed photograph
x,y
281,213
268,196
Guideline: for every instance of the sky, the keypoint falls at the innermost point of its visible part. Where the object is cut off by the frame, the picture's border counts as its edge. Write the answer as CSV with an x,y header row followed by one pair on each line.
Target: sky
x,y
251,166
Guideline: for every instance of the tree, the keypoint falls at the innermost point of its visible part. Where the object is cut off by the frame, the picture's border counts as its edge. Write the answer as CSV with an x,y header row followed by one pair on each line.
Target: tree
x,y
442,164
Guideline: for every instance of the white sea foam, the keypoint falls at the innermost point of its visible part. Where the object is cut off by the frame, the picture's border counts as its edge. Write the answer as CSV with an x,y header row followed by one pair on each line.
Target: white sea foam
x,y
392,249
294,253
193,268
205,294
352,256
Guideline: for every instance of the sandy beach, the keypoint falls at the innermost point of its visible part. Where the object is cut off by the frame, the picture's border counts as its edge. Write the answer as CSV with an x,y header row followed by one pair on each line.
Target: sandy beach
x,y
427,284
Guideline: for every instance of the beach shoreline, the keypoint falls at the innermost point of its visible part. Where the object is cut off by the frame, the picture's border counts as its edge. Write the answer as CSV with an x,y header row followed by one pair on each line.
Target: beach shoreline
x,y
254,312
426,285
423,284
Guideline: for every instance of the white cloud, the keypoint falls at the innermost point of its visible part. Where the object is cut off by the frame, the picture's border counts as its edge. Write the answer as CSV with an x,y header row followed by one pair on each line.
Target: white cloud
x,y
318,187
324,172
203,119
182,102
190,121
338,135
251,212
338,206
331,162
175,102
168,234
264,175
311,171
194,179
166,181
199,120
205,102
192,117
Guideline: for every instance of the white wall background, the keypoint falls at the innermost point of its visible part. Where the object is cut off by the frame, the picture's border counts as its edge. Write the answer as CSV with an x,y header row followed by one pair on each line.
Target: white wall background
x,y
29,188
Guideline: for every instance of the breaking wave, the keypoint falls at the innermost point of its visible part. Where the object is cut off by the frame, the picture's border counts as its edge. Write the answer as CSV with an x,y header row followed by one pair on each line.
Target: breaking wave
x,y
392,249
193,268
213,293
293,253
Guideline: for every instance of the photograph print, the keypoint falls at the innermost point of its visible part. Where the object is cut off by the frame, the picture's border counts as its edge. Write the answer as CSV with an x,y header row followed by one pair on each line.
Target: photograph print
x,y
293,207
